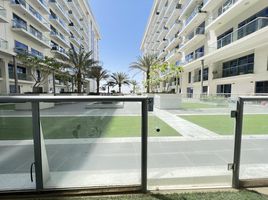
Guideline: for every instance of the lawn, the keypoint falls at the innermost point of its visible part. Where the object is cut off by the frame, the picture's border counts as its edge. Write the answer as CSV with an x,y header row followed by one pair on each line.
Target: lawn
x,y
7,107
242,195
224,124
194,105
15,128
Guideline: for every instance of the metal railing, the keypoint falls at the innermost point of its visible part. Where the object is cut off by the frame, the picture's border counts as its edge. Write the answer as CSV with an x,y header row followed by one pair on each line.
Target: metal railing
x,y
37,135
243,31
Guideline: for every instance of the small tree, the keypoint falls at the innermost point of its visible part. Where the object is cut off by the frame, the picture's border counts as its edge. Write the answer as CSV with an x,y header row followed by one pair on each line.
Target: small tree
x,y
40,68
109,84
120,79
99,74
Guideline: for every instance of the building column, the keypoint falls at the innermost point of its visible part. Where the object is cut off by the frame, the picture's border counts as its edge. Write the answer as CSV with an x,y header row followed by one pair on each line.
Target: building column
x,y
5,76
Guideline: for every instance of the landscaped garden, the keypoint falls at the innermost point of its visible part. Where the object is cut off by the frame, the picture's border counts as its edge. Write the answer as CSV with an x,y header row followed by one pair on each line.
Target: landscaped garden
x,y
19,128
224,124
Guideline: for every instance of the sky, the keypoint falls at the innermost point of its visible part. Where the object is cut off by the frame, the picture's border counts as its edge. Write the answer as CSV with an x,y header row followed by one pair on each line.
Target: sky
x,y
122,25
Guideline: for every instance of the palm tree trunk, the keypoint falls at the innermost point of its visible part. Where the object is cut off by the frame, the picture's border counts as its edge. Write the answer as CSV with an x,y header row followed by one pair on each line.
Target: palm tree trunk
x,y
108,89
148,81
119,85
98,86
79,81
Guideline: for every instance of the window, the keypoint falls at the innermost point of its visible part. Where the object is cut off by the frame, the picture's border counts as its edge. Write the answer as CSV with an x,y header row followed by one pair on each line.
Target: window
x,y
37,53
20,47
19,22
205,74
239,66
189,77
36,33
21,72
261,87
199,52
224,90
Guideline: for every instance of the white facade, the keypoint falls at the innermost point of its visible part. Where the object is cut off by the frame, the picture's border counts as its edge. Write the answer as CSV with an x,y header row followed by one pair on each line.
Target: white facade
x,y
43,28
225,40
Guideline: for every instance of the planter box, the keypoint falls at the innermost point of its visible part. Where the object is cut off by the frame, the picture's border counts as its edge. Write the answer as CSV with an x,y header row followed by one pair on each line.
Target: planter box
x,y
167,101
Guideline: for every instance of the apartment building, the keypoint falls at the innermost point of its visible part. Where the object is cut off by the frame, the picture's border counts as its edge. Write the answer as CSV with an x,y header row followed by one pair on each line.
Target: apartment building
x,y
221,44
42,28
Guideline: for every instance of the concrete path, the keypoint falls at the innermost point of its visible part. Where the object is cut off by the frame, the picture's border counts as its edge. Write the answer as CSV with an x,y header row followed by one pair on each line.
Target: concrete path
x,y
192,162
184,127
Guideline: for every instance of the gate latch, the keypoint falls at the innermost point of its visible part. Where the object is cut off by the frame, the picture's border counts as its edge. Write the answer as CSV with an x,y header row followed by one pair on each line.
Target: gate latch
x,y
233,114
230,166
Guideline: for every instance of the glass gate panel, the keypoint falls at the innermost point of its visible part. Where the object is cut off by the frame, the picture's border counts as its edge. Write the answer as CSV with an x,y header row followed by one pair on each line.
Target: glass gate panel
x,y
92,144
190,141
254,146
16,147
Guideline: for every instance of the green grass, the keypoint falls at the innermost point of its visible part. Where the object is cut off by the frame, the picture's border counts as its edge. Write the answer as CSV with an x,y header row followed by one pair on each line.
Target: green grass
x,y
15,128
224,124
192,105
242,195
7,107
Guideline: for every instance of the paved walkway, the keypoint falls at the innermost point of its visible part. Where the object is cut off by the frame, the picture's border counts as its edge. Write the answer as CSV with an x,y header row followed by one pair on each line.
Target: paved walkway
x,y
184,127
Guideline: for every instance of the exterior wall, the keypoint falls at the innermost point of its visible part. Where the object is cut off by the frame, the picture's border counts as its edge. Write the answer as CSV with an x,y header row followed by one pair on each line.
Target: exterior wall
x,y
214,27
86,26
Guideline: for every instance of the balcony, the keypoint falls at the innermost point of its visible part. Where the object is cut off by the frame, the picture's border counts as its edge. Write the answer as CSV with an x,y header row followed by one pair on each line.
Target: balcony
x,y
173,8
194,56
162,54
59,51
162,45
194,19
57,22
59,10
21,76
193,38
174,29
74,30
21,51
174,42
3,15
34,16
231,9
60,38
28,31
162,34
73,6
188,5
173,56
209,5
243,39
75,41
42,5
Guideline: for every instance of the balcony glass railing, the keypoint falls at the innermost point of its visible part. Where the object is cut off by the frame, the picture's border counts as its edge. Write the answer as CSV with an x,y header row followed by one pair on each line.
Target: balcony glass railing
x,y
193,14
197,31
58,20
21,76
44,3
3,44
193,56
226,5
3,12
243,31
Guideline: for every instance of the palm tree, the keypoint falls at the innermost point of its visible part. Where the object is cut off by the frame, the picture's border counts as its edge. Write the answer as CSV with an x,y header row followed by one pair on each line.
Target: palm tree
x,y
99,74
120,79
81,62
109,84
134,84
145,63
